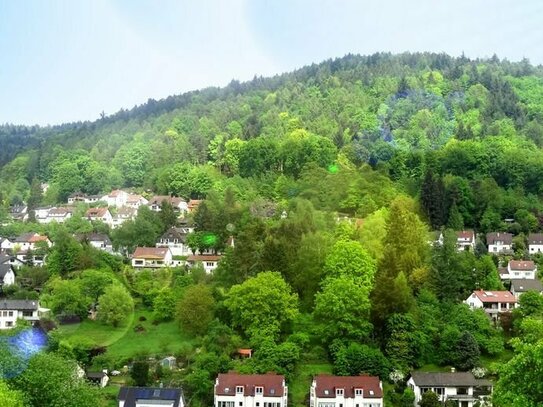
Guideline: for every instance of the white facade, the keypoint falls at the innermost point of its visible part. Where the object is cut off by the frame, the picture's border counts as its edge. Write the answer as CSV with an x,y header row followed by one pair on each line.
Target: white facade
x,y
522,272
338,399
9,276
209,262
466,395
535,248
11,310
493,302
146,257
116,198
240,397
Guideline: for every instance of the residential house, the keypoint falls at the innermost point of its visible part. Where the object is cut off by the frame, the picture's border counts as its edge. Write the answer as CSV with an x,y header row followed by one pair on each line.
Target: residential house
x,y
257,390
517,269
460,387
209,261
99,214
179,204
89,199
152,257
7,275
11,310
135,201
519,287
116,198
59,215
176,239
493,302
499,242
535,243
98,378
97,240
30,241
123,214
41,213
19,212
77,197
150,397
346,391
465,240
10,259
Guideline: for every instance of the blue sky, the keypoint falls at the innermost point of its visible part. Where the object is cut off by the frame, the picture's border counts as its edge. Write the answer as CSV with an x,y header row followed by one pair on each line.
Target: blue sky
x,y
68,60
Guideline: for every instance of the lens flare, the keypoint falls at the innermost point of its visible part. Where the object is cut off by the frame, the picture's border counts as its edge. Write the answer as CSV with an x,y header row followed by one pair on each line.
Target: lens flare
x,y
333,169
16,351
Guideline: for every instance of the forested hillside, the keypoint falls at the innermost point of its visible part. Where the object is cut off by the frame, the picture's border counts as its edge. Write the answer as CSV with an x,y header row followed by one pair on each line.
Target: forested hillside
x,y
329,180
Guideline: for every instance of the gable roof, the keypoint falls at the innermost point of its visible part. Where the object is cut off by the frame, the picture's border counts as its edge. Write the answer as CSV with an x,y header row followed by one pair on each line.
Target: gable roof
x,y
5,269
150,252
132,394
495,296
326,386
21,305
175,233
535,238
227,382
96,212
466,235
60,211
524,265
523,285
493,237
446,379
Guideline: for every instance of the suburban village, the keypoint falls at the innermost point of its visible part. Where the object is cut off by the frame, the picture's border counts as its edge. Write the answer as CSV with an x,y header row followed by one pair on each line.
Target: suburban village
x,y
173,249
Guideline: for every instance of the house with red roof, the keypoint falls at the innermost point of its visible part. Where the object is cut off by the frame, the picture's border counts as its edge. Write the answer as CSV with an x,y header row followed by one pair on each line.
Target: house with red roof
x,y
493,302
519,269
152,257
346,391
99,214
255,390
209,261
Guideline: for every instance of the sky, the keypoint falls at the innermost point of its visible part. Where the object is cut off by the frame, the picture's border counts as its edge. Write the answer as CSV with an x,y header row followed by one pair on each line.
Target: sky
x,y
69,60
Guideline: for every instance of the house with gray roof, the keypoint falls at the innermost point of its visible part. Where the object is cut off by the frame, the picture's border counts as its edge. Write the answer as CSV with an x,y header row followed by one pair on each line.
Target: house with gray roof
x,y
520,286
461,387
150,396
11,310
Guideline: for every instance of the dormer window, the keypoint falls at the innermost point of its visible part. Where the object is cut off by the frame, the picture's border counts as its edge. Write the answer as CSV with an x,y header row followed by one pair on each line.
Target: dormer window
x,y
357,392
326,392
371,393
239,389
259,390
339,392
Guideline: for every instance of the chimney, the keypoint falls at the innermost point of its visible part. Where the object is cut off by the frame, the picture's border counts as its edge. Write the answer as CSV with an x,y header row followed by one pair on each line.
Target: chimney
x,y
453,370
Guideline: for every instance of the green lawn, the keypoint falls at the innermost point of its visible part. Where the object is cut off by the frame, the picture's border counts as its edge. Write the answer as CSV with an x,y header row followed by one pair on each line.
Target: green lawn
x,y
124,342
301,380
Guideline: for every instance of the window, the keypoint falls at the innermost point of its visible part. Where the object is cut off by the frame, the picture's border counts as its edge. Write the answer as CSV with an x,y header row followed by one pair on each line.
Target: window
x,y
259,390
257,404
240,403
28,313
225,403
9,323
339,392
239,389
357,392
10,313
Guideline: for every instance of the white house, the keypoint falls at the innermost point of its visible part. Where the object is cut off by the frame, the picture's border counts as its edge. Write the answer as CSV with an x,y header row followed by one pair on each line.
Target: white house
x,y
11,310
77,197
11,260
99,214
209,261
519,287
135,201
115,198
535,243
493,302
40,214
30,241
150,397
19,212
59,215
123,214
499,242
465,240
346,391
176,239
257,390
518,269
460,387
7,275
97,240
178,204
152,257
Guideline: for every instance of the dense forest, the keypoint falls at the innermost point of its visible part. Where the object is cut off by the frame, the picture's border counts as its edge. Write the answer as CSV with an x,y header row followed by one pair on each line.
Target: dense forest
x,y
331,179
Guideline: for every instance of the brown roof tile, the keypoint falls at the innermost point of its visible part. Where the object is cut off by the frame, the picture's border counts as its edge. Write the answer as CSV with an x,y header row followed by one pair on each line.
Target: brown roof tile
x,y
227,382
150,252
495,296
